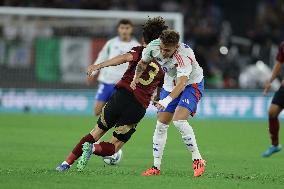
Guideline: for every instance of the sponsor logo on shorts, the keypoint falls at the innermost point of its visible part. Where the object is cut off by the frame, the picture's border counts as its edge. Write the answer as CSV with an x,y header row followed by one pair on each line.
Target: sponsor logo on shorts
x,y
186,101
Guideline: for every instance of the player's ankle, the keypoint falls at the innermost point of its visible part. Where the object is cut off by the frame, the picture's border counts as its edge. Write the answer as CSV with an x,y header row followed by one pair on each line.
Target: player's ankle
x,y
154,167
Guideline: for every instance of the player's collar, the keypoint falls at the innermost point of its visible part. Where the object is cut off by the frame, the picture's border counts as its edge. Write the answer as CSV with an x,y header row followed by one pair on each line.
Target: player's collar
x,y
130,39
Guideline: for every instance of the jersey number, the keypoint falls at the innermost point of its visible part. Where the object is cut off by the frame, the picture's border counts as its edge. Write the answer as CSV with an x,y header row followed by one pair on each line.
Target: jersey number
x,y
152,74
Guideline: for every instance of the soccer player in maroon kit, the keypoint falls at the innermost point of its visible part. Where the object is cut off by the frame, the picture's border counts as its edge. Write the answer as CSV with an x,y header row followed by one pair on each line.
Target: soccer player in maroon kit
x,y
126,107
276,106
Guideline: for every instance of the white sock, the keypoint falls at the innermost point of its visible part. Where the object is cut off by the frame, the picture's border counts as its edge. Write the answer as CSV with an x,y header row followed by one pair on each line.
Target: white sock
x,y
159,142
64,162
188,137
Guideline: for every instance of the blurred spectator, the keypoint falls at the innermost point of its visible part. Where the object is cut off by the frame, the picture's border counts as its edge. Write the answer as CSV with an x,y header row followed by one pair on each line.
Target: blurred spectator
x,y
207,29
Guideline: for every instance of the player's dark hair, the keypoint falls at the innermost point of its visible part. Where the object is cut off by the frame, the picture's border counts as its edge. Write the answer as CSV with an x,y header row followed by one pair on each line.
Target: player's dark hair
x,y
153,28
169,37
125,22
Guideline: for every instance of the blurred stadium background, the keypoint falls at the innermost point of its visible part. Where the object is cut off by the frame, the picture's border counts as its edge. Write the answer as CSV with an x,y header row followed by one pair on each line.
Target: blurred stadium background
x,y
45,47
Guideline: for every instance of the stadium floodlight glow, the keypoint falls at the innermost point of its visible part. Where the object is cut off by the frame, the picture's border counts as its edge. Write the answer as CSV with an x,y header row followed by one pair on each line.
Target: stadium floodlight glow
x,y
223,50
175,17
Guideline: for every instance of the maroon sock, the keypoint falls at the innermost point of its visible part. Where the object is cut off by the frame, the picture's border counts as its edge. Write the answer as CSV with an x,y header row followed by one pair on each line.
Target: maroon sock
x,y
104,149
274,130
77,151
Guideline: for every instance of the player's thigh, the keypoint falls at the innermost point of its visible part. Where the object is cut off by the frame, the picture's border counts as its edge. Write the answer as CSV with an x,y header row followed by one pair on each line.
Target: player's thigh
x,y
111,112
274,110
97,133
277,103
181,113
188,103
98,107
104,93
132,112
117,143
165,117
126,126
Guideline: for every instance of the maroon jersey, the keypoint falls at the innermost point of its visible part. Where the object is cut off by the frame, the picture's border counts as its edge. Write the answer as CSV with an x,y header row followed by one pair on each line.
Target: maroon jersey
x,y
151,78
280,54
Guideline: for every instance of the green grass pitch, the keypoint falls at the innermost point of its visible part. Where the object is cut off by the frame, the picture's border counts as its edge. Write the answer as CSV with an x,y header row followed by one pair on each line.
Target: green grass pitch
x,y
33,145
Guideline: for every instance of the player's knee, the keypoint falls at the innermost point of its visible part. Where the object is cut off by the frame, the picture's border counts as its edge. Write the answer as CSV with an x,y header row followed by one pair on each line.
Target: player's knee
x,y
182,126
164,118
179,123
124,133
161,128
97,111
272,113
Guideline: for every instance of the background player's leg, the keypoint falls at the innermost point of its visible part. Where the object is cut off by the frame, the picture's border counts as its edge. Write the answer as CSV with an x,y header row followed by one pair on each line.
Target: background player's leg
x,y
180,121
160,137
102,97
274,111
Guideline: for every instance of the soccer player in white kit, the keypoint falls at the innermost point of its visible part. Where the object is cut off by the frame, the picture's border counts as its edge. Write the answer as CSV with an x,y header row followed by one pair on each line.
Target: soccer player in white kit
x,y
109,76
183,87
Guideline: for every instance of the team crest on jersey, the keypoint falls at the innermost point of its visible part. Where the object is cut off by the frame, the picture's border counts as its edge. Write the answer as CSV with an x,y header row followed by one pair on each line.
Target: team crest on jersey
x,y
186,46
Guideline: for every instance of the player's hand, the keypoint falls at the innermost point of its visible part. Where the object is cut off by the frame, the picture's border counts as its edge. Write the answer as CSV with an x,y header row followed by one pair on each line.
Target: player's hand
x,y
91,70
155,99
162,104
133,83
267,88
159,106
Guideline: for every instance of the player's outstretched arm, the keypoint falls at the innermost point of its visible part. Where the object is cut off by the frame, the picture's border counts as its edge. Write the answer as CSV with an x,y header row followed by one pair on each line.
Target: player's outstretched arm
x,y
178,89
120,59
140,68
275,72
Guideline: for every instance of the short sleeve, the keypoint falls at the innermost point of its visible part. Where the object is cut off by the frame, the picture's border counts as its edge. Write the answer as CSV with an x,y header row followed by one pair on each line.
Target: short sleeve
x,y
147,54
135,52
280,54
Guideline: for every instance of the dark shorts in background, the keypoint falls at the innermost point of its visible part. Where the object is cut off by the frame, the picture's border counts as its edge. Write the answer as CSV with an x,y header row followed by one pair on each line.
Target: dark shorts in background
x,y
278,97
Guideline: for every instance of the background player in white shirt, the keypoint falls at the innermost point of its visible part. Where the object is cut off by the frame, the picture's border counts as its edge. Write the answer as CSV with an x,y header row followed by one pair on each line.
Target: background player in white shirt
x,y
183,87
109,76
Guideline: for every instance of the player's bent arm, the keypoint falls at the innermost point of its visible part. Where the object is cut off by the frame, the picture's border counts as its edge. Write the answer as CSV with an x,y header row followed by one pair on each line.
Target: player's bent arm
x,y
120,59
275,71
140,68
178,89
156,97
181,83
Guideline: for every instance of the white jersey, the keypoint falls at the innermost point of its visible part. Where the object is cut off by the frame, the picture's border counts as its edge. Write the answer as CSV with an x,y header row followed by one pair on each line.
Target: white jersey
x,y
112,48
183,63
